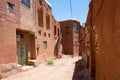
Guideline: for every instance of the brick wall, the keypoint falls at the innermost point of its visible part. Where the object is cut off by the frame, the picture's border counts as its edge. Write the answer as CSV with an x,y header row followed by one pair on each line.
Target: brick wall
x,y
25,21
104,23
8,24
50,38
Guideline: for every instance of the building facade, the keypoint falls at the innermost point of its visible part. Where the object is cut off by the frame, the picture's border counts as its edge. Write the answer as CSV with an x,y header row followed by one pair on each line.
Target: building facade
x,y
85,45
70,37
29,34
9,21
103,24
48,30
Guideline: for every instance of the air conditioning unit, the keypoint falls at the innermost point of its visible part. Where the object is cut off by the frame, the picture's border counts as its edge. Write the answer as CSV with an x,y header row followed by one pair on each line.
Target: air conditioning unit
x,y
18,37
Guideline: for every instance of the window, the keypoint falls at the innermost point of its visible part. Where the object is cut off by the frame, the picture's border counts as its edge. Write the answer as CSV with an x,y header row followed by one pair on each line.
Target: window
x,y
75,27
40,17
10,8
67,30
49,35
39,32
47,21
45,44
58,31
26,2
47,9
40,1
54,30
44,34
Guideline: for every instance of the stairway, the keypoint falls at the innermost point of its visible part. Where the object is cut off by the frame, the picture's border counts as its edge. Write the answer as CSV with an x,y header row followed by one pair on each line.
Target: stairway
x,y
57,46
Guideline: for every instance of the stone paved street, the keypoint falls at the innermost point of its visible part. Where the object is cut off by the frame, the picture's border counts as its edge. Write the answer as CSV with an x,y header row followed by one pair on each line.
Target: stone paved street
x,y
61,70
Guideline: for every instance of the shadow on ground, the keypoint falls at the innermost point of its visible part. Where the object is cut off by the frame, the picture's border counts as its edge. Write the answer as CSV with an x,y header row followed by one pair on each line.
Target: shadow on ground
x,y
81,72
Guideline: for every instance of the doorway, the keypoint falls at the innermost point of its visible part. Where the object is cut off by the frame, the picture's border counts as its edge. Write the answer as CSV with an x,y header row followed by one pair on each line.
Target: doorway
x,y
22,54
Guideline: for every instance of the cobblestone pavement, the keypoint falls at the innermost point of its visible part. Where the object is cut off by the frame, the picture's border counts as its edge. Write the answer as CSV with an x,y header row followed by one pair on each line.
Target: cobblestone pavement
x,y
61,70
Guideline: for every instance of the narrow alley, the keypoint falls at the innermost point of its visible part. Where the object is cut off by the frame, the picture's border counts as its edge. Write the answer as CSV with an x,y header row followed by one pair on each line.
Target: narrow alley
x,y
59,40
62,69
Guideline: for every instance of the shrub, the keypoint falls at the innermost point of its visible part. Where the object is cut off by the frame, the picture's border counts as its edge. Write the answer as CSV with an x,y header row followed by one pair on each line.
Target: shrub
x,y
72,56
50,62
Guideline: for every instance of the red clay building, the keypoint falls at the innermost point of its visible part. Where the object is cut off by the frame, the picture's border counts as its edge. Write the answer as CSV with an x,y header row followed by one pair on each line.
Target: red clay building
x,y
103,23
85,43
48,30
29,34
9,21
70,30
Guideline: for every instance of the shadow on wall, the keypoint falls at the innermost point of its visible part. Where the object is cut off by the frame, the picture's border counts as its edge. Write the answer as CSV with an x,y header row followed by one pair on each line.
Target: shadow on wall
x,y
81,72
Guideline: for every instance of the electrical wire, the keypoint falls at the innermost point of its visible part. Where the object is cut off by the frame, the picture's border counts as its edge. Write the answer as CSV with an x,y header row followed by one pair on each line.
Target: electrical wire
x,y
68,5
71,9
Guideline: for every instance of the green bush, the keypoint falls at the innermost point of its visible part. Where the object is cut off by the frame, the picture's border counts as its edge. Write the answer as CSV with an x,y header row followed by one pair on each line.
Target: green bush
x,y
50,62
72,56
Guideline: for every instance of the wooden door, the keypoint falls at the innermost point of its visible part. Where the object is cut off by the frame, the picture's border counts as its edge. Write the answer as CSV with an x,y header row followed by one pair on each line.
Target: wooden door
x,y
22,54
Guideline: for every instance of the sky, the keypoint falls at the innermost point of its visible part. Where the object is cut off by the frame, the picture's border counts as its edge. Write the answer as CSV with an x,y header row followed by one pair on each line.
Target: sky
x,y
61,9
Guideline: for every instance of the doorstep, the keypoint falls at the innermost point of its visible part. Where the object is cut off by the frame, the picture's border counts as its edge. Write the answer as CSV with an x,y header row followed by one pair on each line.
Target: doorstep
x,y
32,62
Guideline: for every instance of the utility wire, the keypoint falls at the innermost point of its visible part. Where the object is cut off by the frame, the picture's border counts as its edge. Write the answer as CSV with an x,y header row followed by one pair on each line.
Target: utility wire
x,y
68,5
71,9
